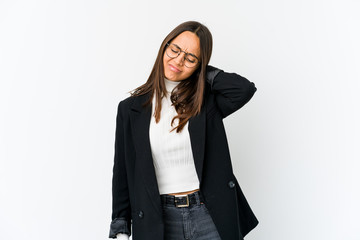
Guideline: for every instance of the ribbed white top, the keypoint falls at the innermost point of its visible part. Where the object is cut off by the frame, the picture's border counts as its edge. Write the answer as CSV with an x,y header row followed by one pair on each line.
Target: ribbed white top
x,y
171,152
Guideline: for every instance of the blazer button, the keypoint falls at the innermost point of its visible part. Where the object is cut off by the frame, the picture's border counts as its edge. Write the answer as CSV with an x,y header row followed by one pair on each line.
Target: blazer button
x,y
231,184
141,214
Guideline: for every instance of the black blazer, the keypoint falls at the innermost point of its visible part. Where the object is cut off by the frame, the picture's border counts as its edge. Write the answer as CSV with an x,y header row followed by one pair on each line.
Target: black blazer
x,y
136,198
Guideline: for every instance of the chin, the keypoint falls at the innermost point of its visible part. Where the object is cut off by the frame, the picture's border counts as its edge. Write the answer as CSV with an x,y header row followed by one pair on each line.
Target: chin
x,y
171,77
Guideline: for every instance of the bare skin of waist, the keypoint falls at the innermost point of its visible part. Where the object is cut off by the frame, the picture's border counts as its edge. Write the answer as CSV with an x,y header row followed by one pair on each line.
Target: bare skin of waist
x,y
183,193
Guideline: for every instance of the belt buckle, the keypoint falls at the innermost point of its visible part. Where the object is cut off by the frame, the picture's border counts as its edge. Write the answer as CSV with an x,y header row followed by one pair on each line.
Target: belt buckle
x,y
183,205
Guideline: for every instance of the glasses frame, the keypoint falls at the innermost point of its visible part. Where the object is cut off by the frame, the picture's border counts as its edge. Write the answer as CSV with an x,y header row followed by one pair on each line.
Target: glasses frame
x,y
186,54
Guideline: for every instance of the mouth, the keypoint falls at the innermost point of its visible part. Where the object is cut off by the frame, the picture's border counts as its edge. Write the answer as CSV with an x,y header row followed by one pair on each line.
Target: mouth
x,y
174,69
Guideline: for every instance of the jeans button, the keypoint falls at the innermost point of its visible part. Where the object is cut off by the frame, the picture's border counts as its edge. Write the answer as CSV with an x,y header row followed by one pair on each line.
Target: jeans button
x,y
231,184
141,214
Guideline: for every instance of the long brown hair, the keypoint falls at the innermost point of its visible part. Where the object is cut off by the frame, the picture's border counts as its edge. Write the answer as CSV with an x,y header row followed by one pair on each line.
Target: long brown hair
x,y
188,96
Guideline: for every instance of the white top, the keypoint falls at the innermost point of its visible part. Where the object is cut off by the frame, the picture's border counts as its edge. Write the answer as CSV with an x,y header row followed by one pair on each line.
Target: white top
x,y
172,154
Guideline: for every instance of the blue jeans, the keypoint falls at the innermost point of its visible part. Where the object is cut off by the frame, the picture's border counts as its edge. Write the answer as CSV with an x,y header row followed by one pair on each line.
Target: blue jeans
x,y
189,223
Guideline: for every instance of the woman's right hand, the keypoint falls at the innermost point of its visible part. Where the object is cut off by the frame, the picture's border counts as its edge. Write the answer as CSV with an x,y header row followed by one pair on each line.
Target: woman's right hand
x,y
122,236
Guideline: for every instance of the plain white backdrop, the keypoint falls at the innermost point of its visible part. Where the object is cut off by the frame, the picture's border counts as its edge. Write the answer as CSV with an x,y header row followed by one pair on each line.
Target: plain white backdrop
x,y
65,65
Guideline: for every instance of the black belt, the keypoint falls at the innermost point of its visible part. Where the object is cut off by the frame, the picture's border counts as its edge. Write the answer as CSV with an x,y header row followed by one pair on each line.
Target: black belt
x,y
181,200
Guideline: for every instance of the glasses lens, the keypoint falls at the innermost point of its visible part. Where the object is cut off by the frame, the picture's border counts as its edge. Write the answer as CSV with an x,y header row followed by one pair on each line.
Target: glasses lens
x,y
190,61
172,51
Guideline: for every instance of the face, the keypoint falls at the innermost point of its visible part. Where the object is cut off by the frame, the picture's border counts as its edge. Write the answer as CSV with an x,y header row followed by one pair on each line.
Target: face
x,y
174,68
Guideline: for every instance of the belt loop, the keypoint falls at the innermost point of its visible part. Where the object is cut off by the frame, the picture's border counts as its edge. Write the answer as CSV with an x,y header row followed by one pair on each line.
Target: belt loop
x,y
197,197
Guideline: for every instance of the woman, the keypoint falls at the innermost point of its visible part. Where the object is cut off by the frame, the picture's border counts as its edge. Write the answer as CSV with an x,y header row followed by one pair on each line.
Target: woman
x,y
172,174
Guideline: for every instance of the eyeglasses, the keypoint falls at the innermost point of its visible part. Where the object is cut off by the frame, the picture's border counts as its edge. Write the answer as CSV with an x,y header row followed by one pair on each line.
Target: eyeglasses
x,y
173,51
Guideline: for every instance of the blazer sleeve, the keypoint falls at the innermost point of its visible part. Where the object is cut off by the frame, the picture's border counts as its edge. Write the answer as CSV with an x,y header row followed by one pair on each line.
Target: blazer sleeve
x,y
121,208
231,90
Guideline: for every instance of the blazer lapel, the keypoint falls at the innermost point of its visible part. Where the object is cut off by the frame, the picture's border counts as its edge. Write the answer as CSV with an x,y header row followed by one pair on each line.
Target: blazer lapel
x,y
140,123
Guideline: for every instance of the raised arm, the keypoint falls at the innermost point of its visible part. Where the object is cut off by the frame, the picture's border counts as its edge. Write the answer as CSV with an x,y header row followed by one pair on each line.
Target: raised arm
x,y
231,90
121,210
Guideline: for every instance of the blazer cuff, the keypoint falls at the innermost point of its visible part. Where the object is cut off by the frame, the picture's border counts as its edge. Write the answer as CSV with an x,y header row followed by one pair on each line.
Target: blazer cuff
x,y
119,225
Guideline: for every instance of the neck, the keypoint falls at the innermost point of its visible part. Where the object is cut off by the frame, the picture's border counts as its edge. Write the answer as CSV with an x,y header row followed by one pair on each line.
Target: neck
x,y
170,85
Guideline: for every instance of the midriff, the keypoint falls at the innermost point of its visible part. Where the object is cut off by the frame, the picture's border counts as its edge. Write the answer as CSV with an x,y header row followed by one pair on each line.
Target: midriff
x,y
183,193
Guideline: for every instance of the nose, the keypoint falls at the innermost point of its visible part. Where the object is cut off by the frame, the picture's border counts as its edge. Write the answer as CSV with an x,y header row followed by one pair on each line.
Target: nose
x,y
180,59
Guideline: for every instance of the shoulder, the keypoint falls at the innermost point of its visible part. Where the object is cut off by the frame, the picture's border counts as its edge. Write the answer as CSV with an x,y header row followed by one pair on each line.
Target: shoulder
x,y
132,102
124,105
127,102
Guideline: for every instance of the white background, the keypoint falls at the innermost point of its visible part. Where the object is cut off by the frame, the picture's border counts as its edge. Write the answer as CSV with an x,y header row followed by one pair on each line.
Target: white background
x,y
65,65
